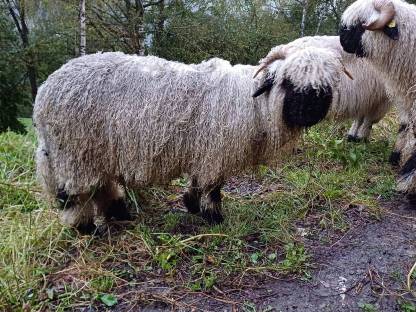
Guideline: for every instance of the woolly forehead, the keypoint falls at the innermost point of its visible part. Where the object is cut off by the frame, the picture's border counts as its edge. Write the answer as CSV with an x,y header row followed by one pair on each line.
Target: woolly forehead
x,y
312,67
359,12
367,11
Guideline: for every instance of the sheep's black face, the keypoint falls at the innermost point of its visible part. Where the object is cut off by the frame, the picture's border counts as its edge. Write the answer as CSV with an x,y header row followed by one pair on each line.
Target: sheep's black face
x,y
305,108
350,38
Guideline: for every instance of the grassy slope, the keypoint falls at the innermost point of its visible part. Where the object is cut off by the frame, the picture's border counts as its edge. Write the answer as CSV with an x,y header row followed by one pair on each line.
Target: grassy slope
x,y
44,265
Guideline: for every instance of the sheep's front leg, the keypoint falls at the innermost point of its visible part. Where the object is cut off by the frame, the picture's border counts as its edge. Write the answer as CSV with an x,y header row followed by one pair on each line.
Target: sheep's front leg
x,y
77,211
365,129
211,206
352,135
192,198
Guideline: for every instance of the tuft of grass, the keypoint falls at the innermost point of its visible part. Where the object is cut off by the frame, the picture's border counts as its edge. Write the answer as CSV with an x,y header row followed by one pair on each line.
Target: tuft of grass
x,y
45,266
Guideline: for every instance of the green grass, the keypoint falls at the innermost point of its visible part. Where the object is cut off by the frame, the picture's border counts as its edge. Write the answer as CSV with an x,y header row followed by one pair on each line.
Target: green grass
x,y
44,265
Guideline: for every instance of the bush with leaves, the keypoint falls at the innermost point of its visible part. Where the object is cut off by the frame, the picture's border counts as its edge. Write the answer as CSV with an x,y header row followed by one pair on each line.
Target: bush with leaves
x,y
12,93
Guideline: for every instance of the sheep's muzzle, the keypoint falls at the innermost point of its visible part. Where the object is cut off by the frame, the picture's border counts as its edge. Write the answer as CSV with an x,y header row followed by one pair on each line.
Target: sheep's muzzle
x,y
307,107
350,38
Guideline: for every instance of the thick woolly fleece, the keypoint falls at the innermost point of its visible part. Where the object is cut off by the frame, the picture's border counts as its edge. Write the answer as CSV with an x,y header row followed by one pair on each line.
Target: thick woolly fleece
x,y
395,61
110,117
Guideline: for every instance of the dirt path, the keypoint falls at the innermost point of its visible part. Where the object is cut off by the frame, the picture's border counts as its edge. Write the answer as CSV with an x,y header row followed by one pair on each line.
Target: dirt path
x,y
368,265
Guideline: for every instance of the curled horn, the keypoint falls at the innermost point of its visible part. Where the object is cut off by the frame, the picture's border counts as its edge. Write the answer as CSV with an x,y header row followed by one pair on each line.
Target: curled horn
x,y
387,13
270,58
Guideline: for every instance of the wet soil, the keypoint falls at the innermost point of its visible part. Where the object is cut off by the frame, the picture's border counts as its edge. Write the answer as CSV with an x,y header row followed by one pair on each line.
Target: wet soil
x,y
364,269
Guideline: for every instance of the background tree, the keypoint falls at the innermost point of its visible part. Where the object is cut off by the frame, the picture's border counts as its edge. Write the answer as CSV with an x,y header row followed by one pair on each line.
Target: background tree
x,y
38,36
82,29
12,71
17,10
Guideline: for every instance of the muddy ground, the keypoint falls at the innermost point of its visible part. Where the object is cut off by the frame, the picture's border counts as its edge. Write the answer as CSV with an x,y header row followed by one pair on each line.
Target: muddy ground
x,y
363,270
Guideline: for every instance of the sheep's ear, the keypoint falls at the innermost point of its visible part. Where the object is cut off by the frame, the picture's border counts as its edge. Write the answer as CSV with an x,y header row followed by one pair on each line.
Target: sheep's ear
x,y
391,30
265,87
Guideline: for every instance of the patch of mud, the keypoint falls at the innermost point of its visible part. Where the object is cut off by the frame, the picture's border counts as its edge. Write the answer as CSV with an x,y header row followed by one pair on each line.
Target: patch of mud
x,y
367,265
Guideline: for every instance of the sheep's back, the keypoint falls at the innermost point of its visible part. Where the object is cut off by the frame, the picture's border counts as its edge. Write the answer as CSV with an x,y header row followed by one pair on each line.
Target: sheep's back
x,y
144,119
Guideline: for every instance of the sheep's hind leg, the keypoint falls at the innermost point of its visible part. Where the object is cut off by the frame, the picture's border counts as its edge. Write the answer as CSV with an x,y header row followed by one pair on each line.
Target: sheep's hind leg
x,y
192,198
211,206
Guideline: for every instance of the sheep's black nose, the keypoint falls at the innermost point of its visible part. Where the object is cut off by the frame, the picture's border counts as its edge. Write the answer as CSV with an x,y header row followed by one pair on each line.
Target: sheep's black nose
x,y
350,38
305,108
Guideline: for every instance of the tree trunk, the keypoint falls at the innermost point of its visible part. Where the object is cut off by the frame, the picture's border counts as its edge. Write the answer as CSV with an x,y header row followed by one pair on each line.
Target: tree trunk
x,y
141,34
18,14
318,27
82,29
160,27
303,21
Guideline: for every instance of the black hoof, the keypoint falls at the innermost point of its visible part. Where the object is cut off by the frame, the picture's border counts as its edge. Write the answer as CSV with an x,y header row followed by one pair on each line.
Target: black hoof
x,y
353,138
86,229
394,158
409,166
297,151
192,202
65,201
118,210
212,217
411,198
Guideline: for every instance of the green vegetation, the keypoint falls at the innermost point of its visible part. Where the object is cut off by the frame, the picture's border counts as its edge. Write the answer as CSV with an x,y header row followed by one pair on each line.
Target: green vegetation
x,y
47,266
38,36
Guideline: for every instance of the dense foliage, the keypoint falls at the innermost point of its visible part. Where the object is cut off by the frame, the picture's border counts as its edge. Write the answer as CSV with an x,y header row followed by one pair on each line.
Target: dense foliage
x,y
38,36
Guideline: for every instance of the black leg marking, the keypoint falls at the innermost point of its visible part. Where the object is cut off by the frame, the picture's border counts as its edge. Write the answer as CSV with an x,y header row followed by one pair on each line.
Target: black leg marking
x,y
192,198
353,138
394,158
214,216
65,201
411,198
305,108
402,127
119,211
86,229
409,166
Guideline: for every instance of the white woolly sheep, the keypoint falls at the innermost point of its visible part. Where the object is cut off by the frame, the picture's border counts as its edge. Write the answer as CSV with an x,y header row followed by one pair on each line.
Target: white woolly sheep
x,y
110,118
363,99
383,32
